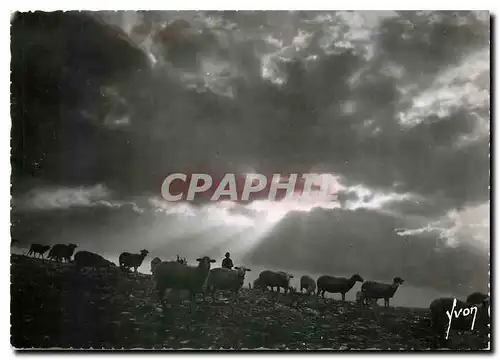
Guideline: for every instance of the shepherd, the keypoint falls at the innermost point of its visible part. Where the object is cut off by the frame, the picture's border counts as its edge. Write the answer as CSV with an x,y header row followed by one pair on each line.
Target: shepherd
x,y
227,262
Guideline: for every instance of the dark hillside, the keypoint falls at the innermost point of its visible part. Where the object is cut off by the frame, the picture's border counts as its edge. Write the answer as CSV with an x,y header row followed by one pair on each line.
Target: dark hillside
x,y
52,306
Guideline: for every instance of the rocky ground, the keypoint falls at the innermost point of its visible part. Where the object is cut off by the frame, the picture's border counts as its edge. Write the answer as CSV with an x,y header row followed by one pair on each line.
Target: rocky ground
x,y
54,307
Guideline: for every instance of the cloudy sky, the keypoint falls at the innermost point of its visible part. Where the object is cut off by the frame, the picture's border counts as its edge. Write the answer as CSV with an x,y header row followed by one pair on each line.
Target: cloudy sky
x,y
394,105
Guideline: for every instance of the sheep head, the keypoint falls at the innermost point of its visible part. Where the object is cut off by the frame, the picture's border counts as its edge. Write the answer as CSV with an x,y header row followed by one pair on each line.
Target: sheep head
x,y
241,271
288,275
72,246
398,281
357,277
242,268
204,262
155,262
144,252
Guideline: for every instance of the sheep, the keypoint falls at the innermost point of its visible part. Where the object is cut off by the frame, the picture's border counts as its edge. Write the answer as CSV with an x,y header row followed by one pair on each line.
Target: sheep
x,y
174,275
128,260
89,259
37,249
372,290
225,279
62,251
441,309
273,278
154,262
333,284
308,283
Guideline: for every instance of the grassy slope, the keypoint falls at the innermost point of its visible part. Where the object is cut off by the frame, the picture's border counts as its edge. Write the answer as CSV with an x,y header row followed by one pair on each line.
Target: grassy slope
x,y
54,307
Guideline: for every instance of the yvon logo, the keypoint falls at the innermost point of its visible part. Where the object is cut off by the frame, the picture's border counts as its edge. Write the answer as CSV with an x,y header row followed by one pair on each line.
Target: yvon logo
x,y
462,312
197,186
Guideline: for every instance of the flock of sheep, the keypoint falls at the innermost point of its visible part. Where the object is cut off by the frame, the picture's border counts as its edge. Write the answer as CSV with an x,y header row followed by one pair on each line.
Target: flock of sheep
x,y
178,275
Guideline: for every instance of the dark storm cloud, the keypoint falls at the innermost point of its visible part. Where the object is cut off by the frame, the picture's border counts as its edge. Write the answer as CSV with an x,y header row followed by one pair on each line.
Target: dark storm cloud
x,y
265,92
300,124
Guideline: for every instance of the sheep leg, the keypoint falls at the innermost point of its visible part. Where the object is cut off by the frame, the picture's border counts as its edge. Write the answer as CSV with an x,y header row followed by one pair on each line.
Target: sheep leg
x,y
343,296
438,330
386,303
161,294
192,296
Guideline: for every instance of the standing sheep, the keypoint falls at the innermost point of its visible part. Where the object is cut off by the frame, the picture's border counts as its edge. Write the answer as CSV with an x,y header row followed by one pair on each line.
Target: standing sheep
x,y
441,324
372,290
37,249
270,278
89,259
334,285
174,275
308,283
225,279
62,252
128,260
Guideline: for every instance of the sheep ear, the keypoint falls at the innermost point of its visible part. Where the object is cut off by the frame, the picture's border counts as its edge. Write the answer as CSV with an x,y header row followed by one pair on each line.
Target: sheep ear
x,y
237,267
212,260
199,259
249,269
